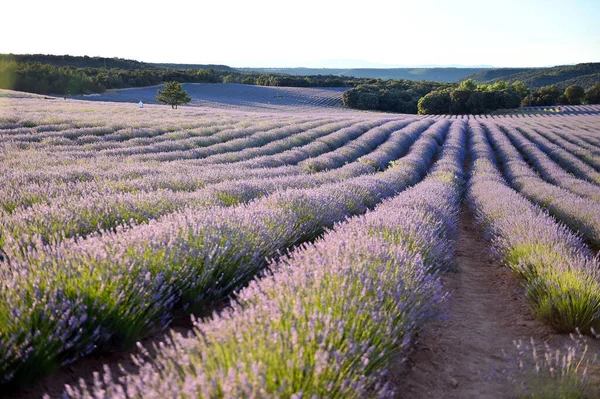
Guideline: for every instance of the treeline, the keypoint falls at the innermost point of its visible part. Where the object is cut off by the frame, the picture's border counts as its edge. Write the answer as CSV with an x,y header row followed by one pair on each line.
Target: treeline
x,y
467,97
47,78
390,95
261,79
554,95
436,74
75,61
425,97
470,98
50,79
101,62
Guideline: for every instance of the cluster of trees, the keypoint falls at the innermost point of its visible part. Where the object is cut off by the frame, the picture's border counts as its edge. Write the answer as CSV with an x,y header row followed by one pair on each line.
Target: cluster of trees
x,y
51,79
554,95
467,97
434,98
274,79
391,95
470,98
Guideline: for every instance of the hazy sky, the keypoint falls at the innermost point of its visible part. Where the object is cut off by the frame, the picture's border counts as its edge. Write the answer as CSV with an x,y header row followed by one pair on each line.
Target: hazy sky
x,y
313,33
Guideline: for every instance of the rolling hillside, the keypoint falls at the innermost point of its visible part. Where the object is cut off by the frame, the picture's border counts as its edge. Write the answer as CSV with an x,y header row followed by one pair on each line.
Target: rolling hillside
x,y
585,75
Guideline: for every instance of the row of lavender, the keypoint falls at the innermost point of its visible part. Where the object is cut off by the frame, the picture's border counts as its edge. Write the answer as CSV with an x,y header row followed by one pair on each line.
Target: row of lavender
x,y
99,175
578,146
61,301
97,166
181,176
553,172
560,273
216,137
580,213
261,146
570,162
329,318
63,217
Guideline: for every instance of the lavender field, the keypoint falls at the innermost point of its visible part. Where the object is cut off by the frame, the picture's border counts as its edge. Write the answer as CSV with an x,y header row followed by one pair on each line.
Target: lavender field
x,y
318,236
234,95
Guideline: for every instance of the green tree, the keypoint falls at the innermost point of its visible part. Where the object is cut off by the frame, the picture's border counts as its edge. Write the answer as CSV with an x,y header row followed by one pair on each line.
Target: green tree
x,y
520,88
548,95
499,85
467,85
475,103
436,102
172,94
458,101
575,94
592,96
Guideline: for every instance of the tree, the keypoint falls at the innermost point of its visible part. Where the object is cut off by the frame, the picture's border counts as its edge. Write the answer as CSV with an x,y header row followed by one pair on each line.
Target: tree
x,y
575,94
436,102
475,103
520,88
548,95
458,101
361,97
499,85
467,85
173,94
592,96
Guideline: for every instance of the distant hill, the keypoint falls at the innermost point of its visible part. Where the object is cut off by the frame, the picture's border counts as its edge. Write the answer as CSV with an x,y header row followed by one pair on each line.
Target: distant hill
x,y
434,74
585,75
102,62
76,61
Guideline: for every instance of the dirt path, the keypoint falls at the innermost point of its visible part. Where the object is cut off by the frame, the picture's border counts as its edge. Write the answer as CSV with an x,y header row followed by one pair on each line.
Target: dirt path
x,y
463,356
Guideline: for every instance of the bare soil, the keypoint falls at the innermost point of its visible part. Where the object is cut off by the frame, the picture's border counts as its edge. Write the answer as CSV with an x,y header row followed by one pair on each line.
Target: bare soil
x,y
468,354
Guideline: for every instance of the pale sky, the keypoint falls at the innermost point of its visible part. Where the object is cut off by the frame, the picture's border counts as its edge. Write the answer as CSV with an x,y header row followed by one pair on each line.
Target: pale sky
x,y
310,33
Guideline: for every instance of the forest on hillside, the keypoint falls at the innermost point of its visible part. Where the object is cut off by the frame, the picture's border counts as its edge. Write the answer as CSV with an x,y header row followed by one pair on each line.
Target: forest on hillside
x,y
585,75
46,74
